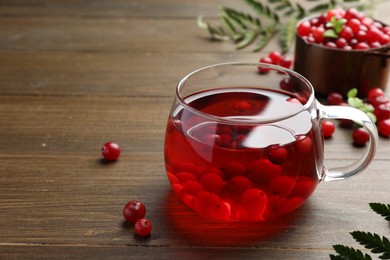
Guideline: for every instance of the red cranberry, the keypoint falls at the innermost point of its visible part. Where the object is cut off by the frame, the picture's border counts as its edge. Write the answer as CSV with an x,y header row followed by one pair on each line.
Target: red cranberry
x,y
382,112
361,36
373,35
267,60
354,24
285,62
304,28
318,34
328,128
380,100
367,21
232,168
351,13
353,42
361,46
285,84
239,184
278,155
223,140
185,176
331,45
335,98
111,151
255,202
211,182
242,106
384,39
384,127
192,187
360,136
275,57
133,211
341,43
281,185
337,12
263,171
374,93
143,227
346,33
375,45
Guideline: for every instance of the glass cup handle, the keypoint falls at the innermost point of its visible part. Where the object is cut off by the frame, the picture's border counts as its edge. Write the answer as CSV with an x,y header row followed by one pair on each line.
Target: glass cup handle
x,y
361,118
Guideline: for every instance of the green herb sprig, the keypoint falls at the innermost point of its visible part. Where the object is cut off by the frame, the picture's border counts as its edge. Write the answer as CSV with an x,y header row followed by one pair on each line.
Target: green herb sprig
x,y
335,27
358,103
270,18
374,242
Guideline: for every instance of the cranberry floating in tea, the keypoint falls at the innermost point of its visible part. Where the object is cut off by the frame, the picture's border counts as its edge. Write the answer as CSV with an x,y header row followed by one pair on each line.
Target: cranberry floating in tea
x,y
340,50
242,144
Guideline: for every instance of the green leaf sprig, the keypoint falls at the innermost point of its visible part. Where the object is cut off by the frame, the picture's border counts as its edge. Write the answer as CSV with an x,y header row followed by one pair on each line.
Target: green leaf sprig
x,y
270,18
358,103
335,27
374,242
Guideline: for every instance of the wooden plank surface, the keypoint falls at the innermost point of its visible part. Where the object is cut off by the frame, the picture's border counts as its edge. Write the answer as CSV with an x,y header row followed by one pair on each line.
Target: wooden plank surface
x,y
75,74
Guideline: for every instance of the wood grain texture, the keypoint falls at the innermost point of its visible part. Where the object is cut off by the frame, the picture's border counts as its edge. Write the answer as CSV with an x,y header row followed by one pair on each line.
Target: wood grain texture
x,y
75,74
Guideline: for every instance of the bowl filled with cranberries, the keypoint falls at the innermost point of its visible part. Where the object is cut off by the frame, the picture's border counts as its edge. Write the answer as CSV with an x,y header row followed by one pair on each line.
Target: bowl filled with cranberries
x,y
343,49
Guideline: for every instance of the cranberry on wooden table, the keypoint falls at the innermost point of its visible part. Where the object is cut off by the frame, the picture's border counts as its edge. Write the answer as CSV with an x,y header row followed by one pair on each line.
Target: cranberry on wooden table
x,y
111,151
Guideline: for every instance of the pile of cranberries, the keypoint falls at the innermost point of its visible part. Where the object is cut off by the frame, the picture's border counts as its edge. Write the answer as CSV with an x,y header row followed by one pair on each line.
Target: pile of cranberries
x,y
275,58
134,211
360,136
354,31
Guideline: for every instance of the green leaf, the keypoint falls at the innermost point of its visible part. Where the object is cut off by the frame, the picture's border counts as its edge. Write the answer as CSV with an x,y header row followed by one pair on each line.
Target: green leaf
x,y
355,102
228,24
352,92
265,37
287,35
216,33
301,11
262,10
372,241
319,8
249,37
371,116
281,7
350,253
330,34
381,209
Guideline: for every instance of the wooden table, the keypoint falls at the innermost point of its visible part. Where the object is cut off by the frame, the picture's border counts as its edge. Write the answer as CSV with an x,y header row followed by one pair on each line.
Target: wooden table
x,y
76,74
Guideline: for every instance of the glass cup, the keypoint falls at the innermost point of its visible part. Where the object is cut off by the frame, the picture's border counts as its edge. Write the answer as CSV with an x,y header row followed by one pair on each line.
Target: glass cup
x,y
244,141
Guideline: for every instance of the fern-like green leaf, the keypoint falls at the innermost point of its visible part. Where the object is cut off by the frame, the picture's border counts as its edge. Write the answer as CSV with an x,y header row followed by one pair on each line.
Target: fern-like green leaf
x,y
381,209
216,33
374,242
262,10
265,37
346,252
287,35
248,38
301,11
319,8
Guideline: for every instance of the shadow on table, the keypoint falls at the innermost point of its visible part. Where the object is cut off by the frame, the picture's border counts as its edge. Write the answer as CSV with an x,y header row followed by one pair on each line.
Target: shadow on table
x,y
201,231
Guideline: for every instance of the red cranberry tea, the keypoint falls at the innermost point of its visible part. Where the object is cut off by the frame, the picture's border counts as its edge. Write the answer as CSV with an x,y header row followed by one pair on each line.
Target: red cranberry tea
x,y
249,171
